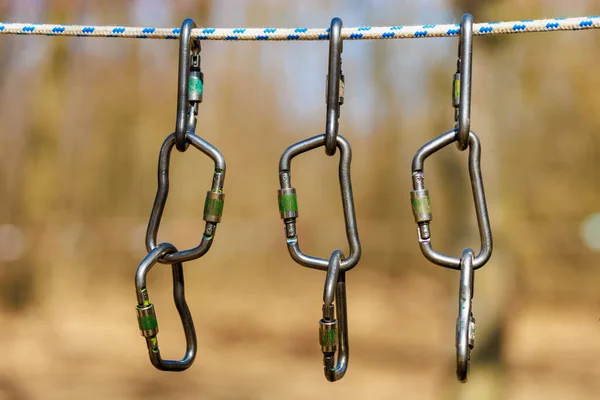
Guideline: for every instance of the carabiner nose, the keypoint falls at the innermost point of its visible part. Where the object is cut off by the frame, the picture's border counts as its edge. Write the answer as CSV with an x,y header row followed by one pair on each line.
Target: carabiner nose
x,y
335,85
330,333
465,323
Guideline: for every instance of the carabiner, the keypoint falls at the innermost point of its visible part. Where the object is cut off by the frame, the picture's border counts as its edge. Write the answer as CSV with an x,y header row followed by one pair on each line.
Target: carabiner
x,y
189,86
147,316
465,323
422,208
462,83
335,85
288,205
329,332
213,205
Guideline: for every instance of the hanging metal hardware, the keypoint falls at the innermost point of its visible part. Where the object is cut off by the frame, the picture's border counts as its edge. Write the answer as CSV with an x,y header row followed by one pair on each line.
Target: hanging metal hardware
x,y
189,95
461,94
332,331
421,206
337,265
335,85
147,315
465,323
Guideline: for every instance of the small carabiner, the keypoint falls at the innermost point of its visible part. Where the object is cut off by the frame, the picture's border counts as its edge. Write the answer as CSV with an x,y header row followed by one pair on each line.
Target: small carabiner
x,y
335,85
189,86
462,83
147,315
329,332
465,323
422,208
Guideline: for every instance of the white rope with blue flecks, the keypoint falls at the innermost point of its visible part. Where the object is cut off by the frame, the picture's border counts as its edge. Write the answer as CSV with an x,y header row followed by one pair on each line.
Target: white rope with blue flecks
x,y
268,34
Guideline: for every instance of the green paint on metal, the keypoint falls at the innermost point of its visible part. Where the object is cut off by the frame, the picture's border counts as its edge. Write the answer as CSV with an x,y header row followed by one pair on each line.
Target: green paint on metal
x,y
457,88
213,207
147,322
421,205
288,202
328,338
195,86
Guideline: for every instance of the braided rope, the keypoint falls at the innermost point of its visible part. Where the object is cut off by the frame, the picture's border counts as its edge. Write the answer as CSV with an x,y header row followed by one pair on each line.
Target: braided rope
x,y
364,32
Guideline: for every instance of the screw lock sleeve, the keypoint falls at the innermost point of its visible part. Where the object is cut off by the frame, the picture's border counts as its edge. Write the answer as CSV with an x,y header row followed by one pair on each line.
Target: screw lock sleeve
x,y
328,336
288,203
147,320
421,205
213,206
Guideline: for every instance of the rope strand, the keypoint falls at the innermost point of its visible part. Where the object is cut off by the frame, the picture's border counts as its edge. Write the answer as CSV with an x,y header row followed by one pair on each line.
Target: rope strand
x,y
282,34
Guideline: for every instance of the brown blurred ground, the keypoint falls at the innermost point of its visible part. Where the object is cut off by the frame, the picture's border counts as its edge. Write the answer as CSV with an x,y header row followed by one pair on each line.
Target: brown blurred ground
x,y
81,122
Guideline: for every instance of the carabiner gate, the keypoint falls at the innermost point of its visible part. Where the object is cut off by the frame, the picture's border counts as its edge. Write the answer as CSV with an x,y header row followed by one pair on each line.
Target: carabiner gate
x,y
147,316
329,331
465,323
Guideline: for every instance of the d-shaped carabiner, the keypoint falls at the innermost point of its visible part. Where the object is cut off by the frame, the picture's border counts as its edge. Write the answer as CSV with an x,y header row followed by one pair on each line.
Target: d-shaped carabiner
x,y
465,323
288,205
335,85
147,316
190,84
422,208
213,205
329,331
462,82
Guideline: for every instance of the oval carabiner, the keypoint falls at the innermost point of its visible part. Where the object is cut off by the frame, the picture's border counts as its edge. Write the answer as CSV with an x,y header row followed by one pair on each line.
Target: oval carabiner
x,y
329,332
147,316
213,205
335,85
462,82
465,323
189,85
288,205
421,203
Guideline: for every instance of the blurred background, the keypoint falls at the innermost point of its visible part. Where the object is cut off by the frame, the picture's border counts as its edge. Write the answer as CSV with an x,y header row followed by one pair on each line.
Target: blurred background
x,y
81,124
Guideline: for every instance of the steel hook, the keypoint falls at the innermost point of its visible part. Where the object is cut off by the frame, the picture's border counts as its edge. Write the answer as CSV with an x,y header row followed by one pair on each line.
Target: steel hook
x,y
147,315
335,85
462,82
330,335
465,323
189,85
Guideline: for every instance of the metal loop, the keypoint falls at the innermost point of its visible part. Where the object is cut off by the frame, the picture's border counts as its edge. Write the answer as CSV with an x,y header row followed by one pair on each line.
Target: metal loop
x,y
147,316
335,84
213,206
421,202
188,48
465,324
465,52
289,208
334,332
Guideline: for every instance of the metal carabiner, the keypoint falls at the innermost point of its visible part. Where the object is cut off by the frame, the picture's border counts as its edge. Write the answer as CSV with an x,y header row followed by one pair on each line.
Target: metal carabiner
x,y
335,85
288,205
189,86
462,83
213,205
329,332
422,208
147,316
465,323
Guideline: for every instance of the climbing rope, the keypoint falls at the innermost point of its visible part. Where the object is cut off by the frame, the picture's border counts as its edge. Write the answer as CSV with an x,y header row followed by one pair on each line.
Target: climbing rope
x,y
359,33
